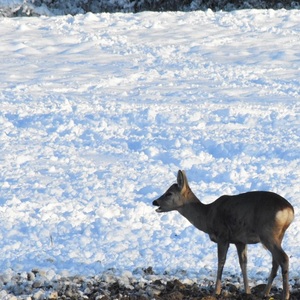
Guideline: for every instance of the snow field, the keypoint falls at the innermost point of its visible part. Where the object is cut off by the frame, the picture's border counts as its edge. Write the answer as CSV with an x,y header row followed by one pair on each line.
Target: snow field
x,y
97,114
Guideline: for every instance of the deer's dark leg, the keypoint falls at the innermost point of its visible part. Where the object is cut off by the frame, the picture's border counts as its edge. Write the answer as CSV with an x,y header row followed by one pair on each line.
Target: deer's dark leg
x,y
273,274
279,259
242,253
283,260
222,252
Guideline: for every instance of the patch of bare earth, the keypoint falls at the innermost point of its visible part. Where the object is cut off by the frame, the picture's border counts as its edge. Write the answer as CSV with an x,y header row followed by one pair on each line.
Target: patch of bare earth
x,y
109,287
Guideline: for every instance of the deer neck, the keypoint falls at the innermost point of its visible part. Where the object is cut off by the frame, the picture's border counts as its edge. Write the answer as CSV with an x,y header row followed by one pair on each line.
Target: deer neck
x,y
195,212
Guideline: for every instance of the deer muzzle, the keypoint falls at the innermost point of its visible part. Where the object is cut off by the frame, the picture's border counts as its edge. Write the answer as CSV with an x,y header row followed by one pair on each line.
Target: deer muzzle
x,y
155,203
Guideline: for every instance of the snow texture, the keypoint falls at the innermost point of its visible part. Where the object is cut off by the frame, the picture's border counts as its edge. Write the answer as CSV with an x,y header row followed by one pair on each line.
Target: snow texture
x,y
98,113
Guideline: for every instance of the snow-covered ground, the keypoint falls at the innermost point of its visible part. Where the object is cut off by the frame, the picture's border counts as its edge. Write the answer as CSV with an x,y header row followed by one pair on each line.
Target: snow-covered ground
x,y
97,114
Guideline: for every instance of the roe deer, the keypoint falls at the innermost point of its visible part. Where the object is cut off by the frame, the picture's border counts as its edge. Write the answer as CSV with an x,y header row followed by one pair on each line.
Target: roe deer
x,y
243,219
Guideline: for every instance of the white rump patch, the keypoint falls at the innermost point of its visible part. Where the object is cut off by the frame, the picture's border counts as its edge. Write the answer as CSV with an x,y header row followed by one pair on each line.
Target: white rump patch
x,y
284,216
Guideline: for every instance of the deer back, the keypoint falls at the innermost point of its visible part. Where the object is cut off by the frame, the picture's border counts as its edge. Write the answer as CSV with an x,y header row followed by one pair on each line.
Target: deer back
x,y
248,217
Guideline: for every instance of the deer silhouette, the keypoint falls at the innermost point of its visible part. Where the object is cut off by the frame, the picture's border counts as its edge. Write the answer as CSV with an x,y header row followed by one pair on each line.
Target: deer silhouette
x,y
247,218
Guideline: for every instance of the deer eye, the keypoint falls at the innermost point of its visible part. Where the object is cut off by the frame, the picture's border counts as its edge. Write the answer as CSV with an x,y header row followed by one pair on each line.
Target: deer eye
x,y
168,194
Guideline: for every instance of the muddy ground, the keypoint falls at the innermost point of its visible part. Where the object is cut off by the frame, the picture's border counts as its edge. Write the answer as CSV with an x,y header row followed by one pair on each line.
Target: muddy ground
x,y
35,286
176,290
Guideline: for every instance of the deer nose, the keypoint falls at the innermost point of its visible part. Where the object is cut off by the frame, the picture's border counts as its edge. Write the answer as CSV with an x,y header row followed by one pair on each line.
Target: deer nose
x,y
155,203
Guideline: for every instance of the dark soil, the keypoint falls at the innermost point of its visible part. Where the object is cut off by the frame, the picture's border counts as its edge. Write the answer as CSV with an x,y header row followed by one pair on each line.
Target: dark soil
x,y
175,290
111,287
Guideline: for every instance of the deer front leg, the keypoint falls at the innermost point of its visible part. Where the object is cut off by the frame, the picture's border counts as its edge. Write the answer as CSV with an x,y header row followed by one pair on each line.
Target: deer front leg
x,y
242,253
222,252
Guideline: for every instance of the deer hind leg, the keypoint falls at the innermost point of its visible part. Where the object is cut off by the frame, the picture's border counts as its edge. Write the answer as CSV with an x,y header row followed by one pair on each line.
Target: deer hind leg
x,y
242,253
281,259
273,274
222,252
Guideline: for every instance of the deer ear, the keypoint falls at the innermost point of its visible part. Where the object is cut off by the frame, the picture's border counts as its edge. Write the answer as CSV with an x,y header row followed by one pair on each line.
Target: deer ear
x,y
181,180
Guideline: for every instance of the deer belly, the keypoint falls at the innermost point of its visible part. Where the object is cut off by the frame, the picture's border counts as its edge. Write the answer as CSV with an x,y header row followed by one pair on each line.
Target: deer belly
x,y
234,237
244,237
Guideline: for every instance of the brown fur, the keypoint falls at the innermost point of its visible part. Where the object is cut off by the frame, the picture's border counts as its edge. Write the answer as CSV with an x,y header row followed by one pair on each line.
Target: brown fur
x,y
242,219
